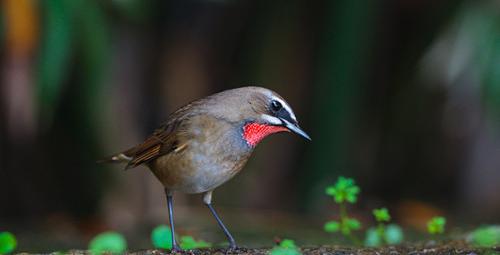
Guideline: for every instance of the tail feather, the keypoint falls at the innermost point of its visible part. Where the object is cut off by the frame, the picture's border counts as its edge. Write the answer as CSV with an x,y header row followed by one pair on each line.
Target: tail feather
x,y
118,158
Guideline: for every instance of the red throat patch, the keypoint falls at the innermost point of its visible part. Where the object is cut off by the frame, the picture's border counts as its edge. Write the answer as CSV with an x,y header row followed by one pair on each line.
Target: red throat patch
x,y
253,133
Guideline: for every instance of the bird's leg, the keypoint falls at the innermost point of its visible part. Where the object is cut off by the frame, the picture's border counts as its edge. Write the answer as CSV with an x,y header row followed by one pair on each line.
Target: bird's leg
x,y
175,246
207,199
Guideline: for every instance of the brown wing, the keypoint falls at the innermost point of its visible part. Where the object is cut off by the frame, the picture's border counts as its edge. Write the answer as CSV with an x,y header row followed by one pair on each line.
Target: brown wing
x,y
164,140
170,137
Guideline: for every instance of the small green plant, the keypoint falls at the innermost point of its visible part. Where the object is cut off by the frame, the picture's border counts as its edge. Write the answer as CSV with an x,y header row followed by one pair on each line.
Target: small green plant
x,y
161,237
285,247
383,233
8,242
436,225
344,191
486,236
108,242
189,243
381,215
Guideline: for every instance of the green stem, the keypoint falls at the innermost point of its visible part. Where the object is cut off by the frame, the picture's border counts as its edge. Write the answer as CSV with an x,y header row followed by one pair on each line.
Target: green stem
x,y
343,218
381,232
343,212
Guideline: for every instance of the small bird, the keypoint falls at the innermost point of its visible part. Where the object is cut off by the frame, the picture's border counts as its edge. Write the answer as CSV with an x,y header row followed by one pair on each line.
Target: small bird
x,y
208,141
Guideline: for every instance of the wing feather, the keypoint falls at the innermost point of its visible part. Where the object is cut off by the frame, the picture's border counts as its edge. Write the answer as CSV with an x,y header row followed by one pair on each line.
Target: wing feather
x,y
171,137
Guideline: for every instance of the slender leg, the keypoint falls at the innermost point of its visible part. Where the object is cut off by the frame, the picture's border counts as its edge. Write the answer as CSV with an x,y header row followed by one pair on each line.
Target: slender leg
x,y
175,246
207,199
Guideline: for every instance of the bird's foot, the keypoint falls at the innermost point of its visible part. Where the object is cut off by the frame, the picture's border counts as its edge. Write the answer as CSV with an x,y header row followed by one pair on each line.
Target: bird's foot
x,y
232,247
176,249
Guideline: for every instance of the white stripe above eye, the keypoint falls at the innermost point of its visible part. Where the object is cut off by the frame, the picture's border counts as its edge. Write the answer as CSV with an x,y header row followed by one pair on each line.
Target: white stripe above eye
x,y
286,106
271,119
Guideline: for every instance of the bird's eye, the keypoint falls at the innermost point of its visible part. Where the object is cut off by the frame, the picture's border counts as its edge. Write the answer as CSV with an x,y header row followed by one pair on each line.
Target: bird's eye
x,y
276,106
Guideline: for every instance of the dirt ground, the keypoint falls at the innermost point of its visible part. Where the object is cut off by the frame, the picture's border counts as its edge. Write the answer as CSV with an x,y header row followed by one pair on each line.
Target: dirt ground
x,y
448,249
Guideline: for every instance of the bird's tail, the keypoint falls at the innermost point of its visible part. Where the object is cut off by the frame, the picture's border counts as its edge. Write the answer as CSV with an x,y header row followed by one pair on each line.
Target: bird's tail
x,y
117,158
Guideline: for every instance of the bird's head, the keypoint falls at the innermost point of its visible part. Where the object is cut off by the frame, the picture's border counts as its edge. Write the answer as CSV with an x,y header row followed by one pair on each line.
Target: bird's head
x,y
261,112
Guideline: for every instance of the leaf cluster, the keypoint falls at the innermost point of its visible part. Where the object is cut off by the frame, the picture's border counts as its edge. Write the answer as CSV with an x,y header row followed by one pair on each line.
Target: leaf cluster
x,y
436,225
285,247
344,190
382,215
345,226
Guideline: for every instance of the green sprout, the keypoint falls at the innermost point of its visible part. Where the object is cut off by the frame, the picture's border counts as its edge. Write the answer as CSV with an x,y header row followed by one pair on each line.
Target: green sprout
x,y
383,234
344,191
8,242
189,243
285,247
485,236
382,215
436,225
108,242
161,237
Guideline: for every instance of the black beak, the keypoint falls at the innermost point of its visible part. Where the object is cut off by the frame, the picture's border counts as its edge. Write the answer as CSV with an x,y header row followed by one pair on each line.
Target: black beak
x,y
295,128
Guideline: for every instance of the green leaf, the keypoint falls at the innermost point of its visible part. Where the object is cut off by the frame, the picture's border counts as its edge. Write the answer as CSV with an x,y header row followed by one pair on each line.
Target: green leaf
x,y
108,242
382,215
189,243
161,237
8,242
372,238
286,247
348,225
288,244
330,190
486,236
353,224
436,225
393,234
332,226
343,190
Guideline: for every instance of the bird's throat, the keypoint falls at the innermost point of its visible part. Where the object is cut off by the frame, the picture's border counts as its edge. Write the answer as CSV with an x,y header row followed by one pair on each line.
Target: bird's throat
x,y
253,133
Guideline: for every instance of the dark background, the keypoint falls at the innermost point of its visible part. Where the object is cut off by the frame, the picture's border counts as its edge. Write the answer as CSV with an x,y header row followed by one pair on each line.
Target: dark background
x,y
402,95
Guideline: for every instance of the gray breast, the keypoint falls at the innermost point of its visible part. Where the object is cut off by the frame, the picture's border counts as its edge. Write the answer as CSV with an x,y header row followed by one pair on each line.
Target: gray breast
x,y
217,158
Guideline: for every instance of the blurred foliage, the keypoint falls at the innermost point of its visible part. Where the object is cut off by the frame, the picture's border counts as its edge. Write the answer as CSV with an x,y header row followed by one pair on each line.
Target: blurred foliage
x,y
108,242
436,225
382,234
381,215
346,226
60,43
392,235
8,242
285,247
161,237
486,236
189,243
344,190
343,51
470,47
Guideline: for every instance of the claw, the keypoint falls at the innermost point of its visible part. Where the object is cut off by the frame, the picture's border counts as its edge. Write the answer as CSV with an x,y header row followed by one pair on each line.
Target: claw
x,y
176,249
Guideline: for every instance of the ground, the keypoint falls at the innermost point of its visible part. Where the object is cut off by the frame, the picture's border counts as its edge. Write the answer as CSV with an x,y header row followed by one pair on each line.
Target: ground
x,y
447,248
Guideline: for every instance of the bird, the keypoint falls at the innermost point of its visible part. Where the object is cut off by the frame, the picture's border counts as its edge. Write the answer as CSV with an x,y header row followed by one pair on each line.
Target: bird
x,y
208,141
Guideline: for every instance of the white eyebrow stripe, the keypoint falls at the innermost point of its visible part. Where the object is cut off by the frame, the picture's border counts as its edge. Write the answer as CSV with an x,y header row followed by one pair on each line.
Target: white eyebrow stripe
x,y
286,106
271,119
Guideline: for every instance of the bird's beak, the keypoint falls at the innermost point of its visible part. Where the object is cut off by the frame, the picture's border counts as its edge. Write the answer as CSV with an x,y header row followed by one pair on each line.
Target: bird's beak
x,y
295,128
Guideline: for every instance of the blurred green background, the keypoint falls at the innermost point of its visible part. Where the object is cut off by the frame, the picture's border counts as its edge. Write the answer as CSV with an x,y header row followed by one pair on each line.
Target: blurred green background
x,y
402,95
